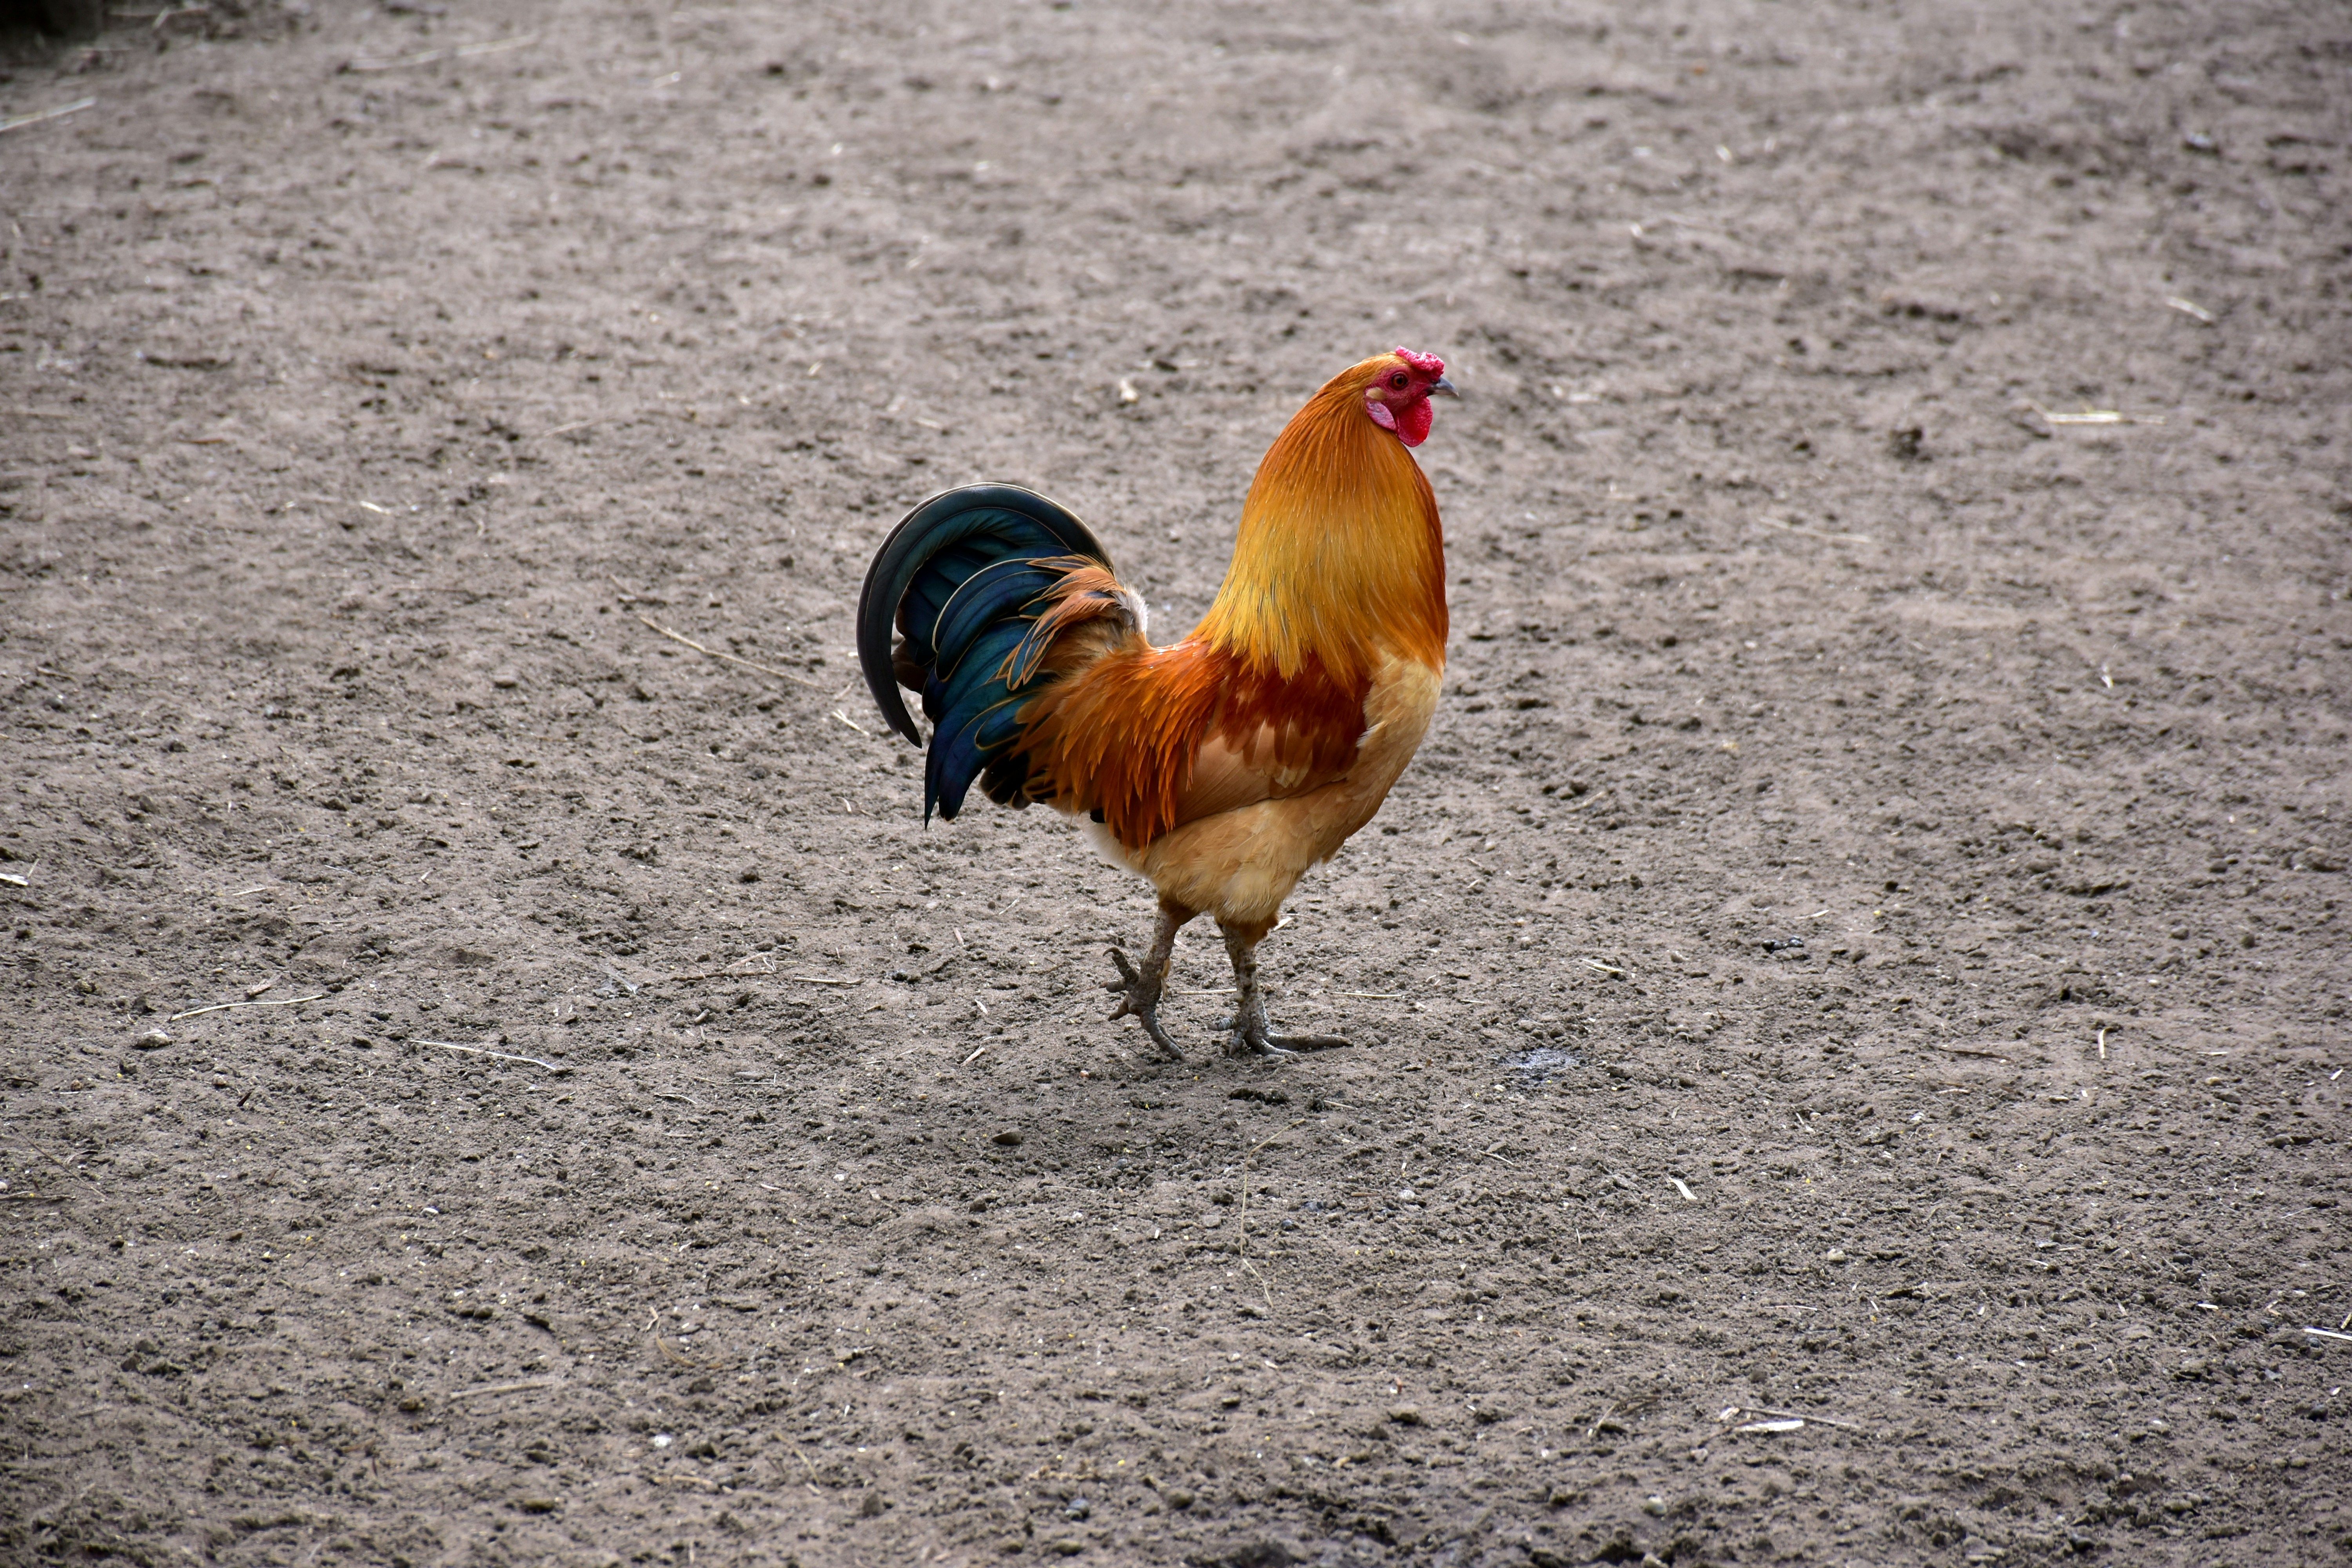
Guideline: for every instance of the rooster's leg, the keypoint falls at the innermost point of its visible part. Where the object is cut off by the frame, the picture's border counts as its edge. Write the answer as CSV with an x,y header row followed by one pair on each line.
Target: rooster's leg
x,y
1252,1034
1139,989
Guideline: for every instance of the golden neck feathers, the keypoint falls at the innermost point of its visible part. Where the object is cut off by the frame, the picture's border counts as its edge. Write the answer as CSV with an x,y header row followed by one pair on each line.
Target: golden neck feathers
x,y
1340,558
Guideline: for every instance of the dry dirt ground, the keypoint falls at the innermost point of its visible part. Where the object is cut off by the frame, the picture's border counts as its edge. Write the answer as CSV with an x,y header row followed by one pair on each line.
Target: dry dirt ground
x,y
1863,944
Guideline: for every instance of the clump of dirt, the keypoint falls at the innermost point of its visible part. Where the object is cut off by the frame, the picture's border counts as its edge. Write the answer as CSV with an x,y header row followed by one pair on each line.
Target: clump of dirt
x,y
1849,1006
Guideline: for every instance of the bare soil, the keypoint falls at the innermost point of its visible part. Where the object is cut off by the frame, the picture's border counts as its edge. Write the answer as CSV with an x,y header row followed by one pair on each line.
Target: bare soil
x,y
1863,945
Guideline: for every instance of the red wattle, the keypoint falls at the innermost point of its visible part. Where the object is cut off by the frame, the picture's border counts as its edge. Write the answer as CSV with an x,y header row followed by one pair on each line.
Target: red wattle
x,y
1412,425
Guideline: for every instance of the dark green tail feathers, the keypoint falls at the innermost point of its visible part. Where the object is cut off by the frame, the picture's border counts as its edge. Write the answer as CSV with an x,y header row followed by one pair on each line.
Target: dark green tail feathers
x,y
957,586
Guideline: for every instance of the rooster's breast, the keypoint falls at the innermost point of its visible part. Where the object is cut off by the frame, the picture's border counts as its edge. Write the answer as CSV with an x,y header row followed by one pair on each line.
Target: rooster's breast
x,y
1240,865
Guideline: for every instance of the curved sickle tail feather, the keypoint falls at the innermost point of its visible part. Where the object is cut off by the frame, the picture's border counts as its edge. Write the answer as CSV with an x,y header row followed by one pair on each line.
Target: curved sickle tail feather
x,y
963,605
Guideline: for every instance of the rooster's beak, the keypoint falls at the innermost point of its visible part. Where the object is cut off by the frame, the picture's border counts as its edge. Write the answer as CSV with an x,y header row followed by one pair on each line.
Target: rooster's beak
x,y
1441,388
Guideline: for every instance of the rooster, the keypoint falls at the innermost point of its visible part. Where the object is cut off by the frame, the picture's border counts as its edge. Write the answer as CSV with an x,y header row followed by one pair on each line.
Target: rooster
x,y
1223,767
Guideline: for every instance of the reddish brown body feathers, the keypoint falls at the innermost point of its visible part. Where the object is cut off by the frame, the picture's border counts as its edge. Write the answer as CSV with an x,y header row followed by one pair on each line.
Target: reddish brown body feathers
x,y
1125,738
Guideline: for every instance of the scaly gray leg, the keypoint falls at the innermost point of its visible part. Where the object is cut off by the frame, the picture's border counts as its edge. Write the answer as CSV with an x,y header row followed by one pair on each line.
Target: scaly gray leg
x,y
1252,1034
1140,989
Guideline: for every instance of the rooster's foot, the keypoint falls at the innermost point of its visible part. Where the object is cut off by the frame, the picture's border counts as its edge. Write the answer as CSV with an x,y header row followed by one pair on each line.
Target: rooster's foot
x,y
1252,1038
1139,998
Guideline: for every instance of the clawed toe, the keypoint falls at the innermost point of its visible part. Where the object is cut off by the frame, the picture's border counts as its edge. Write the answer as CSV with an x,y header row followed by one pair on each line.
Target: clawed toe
x,y
1130,980
1250,1037
1261,1047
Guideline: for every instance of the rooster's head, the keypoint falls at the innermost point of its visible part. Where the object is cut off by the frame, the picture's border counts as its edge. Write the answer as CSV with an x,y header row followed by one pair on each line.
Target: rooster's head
x,y
1397,390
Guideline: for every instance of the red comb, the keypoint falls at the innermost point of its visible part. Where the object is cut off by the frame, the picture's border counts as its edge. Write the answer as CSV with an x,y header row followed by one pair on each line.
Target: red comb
x,y
1427,365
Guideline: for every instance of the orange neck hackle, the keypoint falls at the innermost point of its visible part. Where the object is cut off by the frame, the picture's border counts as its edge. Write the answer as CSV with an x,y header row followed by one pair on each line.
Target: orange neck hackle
x,y
1339,557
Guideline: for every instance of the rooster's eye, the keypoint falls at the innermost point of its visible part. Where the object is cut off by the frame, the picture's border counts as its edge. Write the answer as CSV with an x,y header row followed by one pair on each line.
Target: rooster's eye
x,y
1396,381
